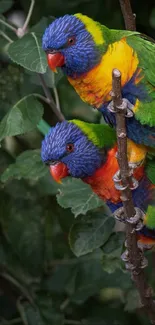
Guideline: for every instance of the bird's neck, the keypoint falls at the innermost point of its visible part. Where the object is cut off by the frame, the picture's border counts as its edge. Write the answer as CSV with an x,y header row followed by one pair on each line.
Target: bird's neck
x,y
102,182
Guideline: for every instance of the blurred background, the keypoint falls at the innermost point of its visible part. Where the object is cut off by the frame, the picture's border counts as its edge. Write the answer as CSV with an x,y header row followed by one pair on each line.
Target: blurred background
x,y
41,280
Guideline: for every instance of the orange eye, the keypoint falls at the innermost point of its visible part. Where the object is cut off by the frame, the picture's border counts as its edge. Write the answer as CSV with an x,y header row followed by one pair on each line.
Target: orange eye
x,y
71,40
70,147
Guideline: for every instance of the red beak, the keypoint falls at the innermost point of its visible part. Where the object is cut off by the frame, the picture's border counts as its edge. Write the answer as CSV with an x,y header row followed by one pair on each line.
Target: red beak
x,y
59,171
55,60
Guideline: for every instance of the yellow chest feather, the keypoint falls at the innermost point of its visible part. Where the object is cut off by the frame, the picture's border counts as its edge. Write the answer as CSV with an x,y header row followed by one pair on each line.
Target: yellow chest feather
x,y
94,87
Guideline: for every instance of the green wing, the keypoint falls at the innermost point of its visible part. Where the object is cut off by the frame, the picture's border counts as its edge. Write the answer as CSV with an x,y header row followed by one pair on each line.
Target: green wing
x,y
150,169
145,49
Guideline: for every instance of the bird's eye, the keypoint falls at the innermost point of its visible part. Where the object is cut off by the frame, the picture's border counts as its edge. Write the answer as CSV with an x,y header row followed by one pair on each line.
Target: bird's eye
x,y
70,147
71,40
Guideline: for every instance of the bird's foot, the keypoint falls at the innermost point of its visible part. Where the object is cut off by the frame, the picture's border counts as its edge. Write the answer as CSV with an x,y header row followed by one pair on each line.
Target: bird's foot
x,y
125,105
137,220
129,266
118,181
144,247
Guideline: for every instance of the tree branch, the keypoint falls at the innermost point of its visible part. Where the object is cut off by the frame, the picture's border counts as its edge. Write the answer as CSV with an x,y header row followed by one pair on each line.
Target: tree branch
x,y
135,256
129,17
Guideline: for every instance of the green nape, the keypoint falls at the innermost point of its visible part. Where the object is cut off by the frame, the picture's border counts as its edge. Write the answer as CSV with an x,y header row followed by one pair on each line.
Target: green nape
x,y
149,218
100,134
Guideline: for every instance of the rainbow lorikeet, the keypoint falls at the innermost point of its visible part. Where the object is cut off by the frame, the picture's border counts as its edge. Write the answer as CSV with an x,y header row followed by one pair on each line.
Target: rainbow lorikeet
x,y
88,151
87,52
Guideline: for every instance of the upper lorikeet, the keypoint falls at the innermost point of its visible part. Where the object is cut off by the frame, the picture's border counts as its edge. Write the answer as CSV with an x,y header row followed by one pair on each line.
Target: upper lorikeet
x,y
88,151
87,52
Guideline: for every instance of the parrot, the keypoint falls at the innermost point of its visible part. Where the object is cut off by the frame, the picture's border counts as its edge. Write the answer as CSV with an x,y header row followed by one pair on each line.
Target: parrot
x,y
87,151
87,52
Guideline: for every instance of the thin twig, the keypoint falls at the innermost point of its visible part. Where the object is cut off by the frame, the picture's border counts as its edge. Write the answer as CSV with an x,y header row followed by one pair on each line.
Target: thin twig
x,y
11,322
129,17
28,15
18,285
135,256
8,25
50,100
6,37
43,98
72,322
56,93
64,304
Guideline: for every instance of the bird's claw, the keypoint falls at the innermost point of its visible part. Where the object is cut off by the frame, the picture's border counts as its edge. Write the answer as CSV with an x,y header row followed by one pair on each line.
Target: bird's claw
x,y
137,219
129,266
144,247
119,215
125,105
117,180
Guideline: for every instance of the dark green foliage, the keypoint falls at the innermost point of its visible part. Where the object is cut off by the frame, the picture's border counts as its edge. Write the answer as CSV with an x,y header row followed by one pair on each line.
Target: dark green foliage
x,y
59,252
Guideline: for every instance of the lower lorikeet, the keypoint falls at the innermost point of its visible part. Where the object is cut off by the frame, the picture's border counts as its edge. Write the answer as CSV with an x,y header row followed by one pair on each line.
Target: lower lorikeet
x,y
87,52
88,151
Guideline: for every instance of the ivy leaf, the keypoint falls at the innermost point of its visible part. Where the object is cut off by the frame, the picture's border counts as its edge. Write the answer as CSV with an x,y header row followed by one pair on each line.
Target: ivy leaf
x,y
78,196
90,232
28,52
23,117
28,165
5,5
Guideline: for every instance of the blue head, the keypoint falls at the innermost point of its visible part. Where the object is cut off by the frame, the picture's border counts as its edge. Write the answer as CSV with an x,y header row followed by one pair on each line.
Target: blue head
x,y
74,43
68,151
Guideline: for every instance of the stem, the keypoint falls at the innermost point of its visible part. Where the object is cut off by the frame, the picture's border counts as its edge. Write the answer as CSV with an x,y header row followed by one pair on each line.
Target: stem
x,y
43,98
18,285
28,15
8,25
72,322
11,322
134,253
129,17
6,37
64,304
50,100
56,94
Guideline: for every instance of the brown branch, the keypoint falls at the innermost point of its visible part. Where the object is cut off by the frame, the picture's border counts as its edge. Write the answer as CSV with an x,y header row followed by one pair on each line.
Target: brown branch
x,y
129,17
135,256
50,100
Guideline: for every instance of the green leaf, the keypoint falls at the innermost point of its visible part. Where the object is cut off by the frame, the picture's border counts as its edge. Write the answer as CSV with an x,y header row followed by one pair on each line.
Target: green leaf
x,y
41,25
78,196
30,315
28,52
5,5
28,165
112,252
114,245
110,264
24,231
132,301
48,312
90,232
22,118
